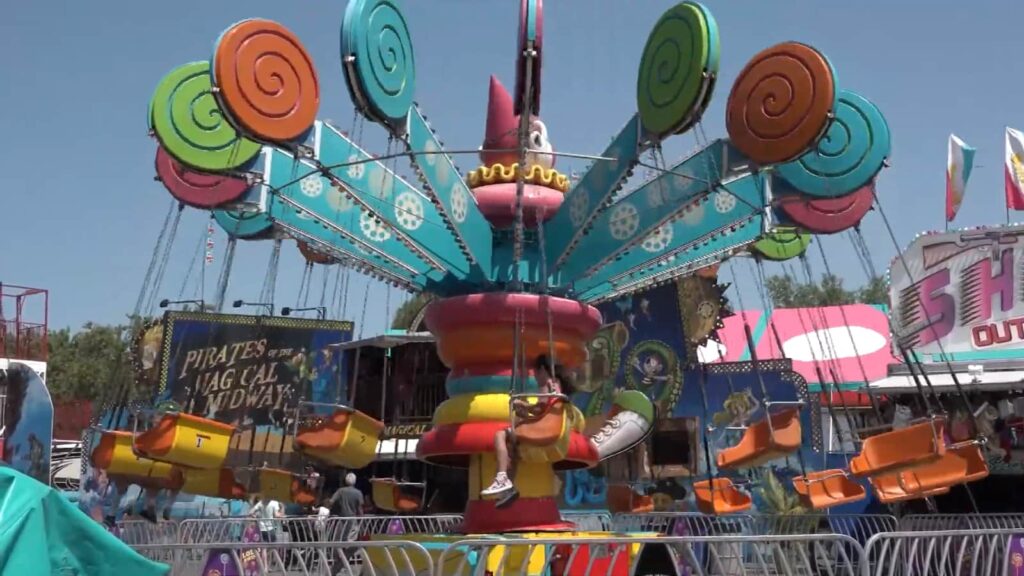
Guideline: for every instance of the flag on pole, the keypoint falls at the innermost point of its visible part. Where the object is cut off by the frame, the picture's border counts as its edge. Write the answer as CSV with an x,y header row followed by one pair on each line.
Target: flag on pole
x,y
1014,169
958,170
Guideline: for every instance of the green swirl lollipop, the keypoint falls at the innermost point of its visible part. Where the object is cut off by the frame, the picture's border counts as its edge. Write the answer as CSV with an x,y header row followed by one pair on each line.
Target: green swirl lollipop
x,y
677,69
191,127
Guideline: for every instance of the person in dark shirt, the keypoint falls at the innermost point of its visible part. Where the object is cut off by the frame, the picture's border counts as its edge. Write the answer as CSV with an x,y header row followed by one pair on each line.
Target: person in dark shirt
x,y
348,499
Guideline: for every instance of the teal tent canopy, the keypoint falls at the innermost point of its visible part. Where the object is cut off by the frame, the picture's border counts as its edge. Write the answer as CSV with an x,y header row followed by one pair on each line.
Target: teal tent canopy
x,y
42,533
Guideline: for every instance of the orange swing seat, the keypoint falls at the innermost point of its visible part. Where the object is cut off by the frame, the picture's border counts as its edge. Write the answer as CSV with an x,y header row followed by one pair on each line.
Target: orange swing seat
x,y
546,438
977,464
902,449
720,496
769,439
186,440
345,438
622,499
395,496
827,488
889,490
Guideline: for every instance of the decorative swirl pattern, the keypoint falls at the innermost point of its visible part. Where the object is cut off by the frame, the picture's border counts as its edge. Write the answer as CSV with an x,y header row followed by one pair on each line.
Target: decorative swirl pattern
x,y
676,70
266,80
190,126
781,102
852,152
378,60
827,215
531,28
197,189
782,244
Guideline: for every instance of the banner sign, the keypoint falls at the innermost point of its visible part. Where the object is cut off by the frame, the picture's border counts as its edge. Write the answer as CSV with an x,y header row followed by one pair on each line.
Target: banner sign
x,y
957,292
251,372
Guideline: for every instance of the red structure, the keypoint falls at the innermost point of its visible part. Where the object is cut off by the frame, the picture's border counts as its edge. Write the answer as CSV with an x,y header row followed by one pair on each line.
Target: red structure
x,y
24,313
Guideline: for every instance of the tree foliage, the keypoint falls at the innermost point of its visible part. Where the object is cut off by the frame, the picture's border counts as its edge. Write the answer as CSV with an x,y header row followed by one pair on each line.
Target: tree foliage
x,y
785,292
93,363
408,311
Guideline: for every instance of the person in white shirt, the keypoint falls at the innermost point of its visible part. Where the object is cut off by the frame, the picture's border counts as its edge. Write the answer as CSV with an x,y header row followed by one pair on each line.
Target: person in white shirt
x,y
267,511
323,512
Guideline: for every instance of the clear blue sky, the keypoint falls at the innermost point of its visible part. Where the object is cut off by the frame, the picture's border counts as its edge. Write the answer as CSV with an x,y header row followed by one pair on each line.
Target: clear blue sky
x,y
81,210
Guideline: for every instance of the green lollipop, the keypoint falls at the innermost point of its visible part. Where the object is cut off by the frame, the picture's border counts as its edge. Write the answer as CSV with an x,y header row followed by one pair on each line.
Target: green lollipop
x,y
191,127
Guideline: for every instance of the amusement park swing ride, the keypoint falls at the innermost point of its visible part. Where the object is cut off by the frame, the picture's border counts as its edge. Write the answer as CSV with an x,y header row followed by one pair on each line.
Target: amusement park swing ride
x,y
518,254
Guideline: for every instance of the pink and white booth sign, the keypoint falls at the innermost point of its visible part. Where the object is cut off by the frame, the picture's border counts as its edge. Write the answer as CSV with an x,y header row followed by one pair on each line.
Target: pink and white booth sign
x,y
959,293
853,341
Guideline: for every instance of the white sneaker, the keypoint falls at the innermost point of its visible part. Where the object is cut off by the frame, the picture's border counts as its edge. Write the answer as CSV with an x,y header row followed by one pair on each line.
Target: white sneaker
x,y
501,484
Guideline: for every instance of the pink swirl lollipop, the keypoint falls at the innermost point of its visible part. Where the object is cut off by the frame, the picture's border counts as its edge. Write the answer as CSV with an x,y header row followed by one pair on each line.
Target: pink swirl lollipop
x,y
194,188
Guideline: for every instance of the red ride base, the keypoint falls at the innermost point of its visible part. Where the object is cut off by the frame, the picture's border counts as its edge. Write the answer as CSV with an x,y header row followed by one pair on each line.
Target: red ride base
x,y
523,515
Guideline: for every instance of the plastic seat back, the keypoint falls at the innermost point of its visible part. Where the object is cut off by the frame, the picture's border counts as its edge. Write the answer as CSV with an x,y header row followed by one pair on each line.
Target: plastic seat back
x,y
827,488
187,440
977,464
761,443
394,496
902,449
949,470
889,490
622,499
346,438
720,496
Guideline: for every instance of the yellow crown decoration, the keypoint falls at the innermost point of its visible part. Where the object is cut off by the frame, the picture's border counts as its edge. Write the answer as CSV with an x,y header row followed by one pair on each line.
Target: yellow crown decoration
x,y
502,173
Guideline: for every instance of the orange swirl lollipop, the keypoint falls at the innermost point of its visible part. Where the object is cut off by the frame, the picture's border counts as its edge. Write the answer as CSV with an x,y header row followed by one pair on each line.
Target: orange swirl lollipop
x,y
266,80
781,103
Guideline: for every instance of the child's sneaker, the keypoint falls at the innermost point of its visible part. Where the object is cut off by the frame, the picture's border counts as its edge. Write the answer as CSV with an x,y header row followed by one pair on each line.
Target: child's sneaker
x,y
501,484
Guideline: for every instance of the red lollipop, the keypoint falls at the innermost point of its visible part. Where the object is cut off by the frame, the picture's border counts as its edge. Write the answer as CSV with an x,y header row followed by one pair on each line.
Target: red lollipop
x,y
531,26
194,188
828,215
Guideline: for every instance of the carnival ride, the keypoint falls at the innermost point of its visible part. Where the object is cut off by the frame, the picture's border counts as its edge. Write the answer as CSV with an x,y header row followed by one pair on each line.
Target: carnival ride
x,y
518,257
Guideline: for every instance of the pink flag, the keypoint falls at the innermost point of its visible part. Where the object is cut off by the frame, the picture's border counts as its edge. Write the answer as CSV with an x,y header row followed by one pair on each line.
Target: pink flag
x,y
1014,169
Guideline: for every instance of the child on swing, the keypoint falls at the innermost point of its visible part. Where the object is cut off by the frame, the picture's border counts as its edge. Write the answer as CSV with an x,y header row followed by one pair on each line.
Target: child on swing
x,y
551,379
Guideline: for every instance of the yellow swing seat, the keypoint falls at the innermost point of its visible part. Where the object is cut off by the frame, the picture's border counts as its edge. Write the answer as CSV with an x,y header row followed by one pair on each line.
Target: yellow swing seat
x,y
283,486
623,499
902,449
396,496
545,438
720,496
186,440
769,439
216,483
113,454
824,489
346,437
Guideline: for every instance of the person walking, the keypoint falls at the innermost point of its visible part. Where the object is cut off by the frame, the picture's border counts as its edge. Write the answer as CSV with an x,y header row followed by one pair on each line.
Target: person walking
x,y
267,511
348,498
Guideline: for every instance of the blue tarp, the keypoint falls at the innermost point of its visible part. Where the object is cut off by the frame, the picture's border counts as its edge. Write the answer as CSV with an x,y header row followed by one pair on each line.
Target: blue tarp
x,y
42,533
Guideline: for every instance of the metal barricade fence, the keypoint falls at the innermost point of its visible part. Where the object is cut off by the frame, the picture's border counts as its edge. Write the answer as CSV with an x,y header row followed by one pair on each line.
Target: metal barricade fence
x,y
391,558
684,523
139,532
311,528
947,553
919,522
589,520
695,556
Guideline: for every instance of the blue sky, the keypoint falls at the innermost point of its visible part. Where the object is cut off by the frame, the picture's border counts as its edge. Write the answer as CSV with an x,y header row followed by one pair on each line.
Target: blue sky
x,y
81,211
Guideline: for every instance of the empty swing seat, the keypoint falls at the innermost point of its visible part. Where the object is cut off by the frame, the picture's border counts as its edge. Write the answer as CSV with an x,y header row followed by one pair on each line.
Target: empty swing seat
x,y
622,499
977,464
394,496
720,496
889,490
283,486
545,439
762,443
187,440
113,454
215,483
346,438
949,470
901,449
827,488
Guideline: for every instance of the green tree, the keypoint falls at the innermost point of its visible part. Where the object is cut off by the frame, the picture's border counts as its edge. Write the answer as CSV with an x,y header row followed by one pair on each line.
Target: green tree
x,y
407,313
91,364
829,291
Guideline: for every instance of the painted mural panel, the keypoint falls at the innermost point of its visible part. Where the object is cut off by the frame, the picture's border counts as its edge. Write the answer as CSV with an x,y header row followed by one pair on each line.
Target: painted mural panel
x,y
643,346
27,421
